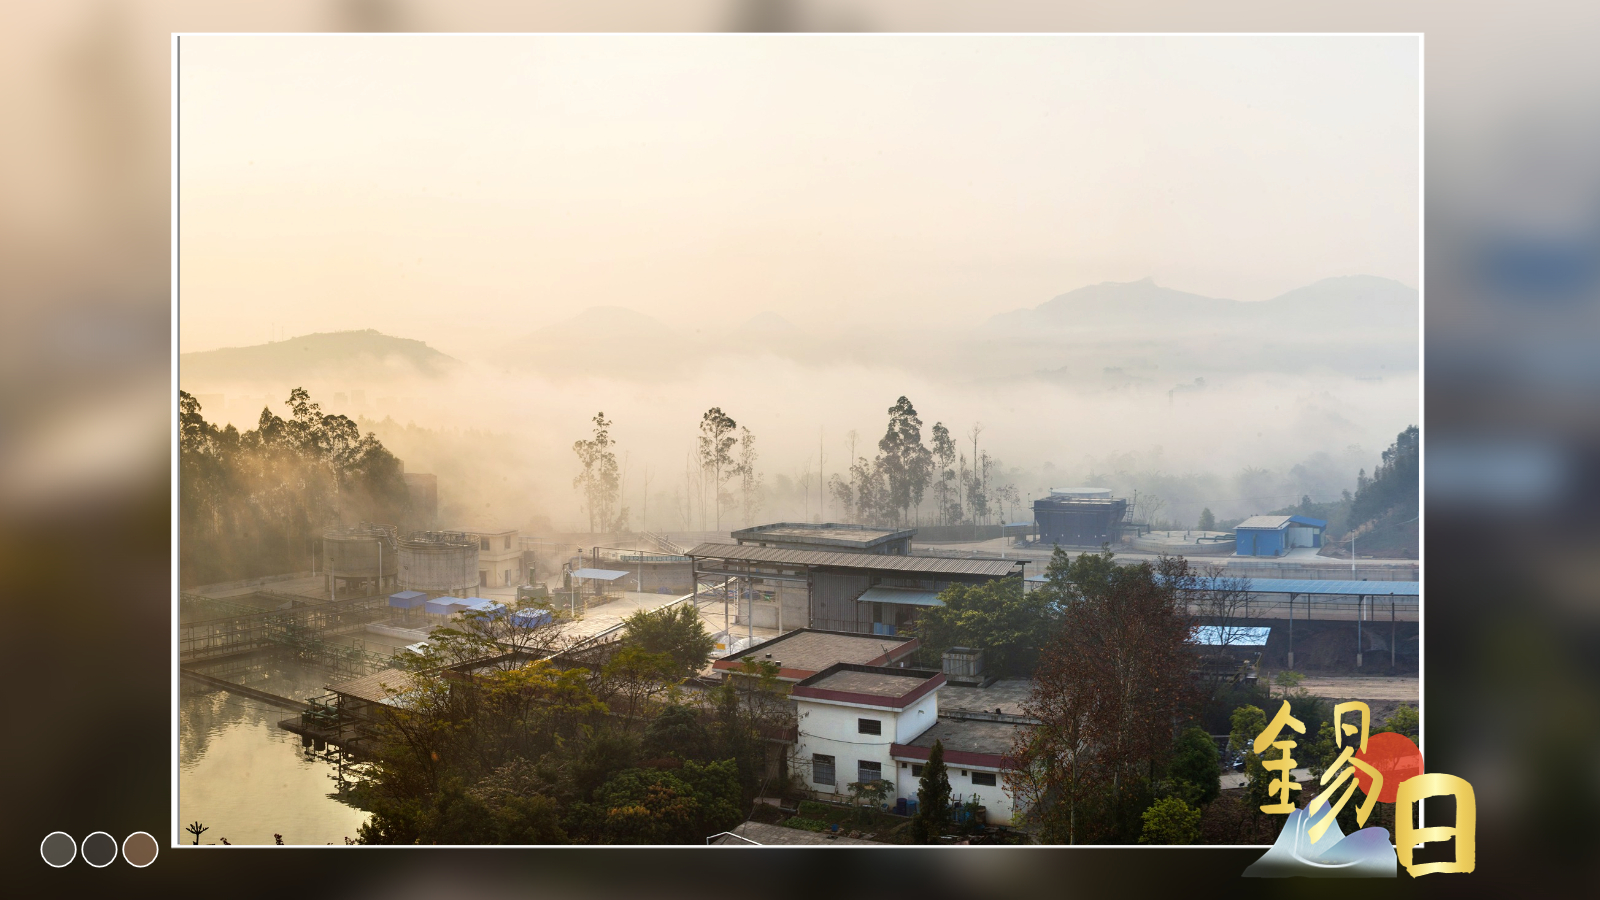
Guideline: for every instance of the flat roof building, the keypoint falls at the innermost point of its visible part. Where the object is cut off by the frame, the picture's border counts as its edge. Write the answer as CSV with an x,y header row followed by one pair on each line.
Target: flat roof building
x,y
828,536
803,653
863,593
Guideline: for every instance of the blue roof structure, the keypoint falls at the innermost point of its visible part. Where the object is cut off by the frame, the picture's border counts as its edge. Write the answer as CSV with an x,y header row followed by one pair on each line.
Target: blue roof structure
x,y
1317,586
1215,636
904,596
1313,586
407,599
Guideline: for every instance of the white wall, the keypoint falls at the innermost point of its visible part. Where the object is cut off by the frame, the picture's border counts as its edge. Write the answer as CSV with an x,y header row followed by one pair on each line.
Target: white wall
x,y
830,729
998,804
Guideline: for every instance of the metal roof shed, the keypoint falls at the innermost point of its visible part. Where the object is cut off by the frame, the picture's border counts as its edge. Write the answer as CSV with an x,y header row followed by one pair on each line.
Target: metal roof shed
x,y
407,599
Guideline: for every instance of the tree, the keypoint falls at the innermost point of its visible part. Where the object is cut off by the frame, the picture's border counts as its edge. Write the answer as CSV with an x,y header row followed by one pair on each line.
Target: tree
x,y
676,631
1170,821
600,480
906,465
1195,762
1106,691
1394,484
1220,600
257,502
749,478
656,806
933,798
1403,720
1288,681
1010,624
717,440
1208,522
944,456
635,676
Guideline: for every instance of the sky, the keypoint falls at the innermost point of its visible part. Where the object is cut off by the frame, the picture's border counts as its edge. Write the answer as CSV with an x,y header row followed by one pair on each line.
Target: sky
x,y
464,190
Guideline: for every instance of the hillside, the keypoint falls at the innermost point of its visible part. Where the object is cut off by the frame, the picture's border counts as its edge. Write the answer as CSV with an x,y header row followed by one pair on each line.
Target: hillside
x,y
322,355
1357,302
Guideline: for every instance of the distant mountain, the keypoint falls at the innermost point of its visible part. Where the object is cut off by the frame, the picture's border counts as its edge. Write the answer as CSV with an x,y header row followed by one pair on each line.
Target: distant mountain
x,y
327,354
1345,303
604,339
1360,297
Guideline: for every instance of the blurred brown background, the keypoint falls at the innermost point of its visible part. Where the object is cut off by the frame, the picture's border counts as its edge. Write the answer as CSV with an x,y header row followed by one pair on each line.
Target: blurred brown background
x,y
1511,434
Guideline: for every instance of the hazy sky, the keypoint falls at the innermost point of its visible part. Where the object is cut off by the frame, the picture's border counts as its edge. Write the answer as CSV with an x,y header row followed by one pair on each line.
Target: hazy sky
x,y
466,190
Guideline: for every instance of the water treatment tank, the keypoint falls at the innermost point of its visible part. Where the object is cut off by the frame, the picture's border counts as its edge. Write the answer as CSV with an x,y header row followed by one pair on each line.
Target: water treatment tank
x,y
361,554
442,562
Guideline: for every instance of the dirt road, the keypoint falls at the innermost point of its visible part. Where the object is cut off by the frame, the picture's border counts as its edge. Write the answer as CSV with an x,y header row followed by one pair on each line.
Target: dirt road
x,y
1362,687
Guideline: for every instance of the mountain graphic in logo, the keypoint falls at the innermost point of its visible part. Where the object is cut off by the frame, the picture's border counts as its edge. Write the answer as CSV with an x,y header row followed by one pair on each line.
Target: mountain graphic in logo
x,y
1365,854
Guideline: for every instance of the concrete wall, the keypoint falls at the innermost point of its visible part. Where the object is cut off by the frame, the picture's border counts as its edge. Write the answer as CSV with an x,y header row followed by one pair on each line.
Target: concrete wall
x,y
831,729
998,805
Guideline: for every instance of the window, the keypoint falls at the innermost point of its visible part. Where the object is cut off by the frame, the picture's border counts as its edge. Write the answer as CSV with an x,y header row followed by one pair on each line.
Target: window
x,y
483,578
869,726
916,771
868,771
508,542
984,778
483,543
822,770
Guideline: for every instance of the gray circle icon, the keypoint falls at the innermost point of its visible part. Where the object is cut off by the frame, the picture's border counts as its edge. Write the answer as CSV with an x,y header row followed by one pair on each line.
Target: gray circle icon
x,y
58,848
99,849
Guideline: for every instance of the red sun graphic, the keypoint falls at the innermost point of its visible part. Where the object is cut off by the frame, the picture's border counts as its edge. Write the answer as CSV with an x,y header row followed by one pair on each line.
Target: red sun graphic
x,y
1395,757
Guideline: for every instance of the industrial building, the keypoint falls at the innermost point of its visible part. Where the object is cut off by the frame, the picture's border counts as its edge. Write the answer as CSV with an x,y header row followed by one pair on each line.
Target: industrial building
x,y
867,723
500,558
1079,517
828,536
361,559
439,562
1276,535
862,593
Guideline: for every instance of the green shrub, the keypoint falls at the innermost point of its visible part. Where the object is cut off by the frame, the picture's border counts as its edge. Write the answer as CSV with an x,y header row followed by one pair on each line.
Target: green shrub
x,y
811,809
805,824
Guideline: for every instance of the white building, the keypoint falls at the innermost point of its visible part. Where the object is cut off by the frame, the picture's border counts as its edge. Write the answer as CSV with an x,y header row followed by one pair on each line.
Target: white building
x,y
858,723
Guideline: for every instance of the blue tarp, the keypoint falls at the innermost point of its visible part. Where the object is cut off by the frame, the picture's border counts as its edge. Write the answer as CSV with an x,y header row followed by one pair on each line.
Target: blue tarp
x,y
407,599
531,618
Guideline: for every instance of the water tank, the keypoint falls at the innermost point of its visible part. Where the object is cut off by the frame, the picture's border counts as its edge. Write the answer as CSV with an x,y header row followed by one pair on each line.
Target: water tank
x,y
364,552
440,562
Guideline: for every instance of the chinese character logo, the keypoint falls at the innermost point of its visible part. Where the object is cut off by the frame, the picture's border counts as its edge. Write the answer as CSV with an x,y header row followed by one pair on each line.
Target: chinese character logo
x,y
1386,768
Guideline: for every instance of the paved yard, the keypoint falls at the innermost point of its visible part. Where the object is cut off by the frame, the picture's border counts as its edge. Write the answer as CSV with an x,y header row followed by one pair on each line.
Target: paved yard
x,y
1363,687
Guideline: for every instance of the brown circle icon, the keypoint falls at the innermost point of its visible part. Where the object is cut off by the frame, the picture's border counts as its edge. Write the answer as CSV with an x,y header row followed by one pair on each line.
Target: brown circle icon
x,y
140,849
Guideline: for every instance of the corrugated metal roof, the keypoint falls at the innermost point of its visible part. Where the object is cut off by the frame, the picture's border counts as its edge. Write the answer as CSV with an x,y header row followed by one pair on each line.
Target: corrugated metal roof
x,y
1320,586
600,574
386,686
994,568
1273,523
903,596
1317,586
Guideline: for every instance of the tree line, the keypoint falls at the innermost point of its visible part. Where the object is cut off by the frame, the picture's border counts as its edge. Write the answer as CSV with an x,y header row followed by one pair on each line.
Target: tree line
x,y
256,502
605,747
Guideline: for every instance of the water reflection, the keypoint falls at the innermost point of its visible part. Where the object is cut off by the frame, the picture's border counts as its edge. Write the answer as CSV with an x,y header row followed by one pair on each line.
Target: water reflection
x,y
245,778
